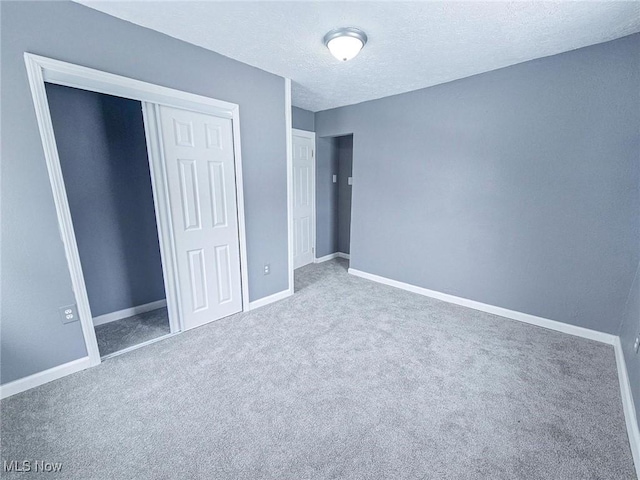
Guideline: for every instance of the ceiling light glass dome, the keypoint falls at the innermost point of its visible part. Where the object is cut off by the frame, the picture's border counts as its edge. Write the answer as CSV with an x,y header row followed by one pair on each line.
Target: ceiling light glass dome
x,y
345,43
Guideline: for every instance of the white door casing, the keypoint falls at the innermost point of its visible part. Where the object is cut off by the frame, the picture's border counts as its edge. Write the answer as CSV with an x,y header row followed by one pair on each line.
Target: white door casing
x,y
304,181
199,161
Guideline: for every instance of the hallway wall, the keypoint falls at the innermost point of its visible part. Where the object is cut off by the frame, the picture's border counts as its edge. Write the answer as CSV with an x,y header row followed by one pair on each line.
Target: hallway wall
x,y
345,170
326,197
333,200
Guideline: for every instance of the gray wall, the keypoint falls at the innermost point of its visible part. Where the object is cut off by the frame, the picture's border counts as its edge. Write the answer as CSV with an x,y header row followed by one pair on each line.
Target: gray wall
x,y
628,332
103,154
516,188
333,200
35,278
302,119
345,167
326,197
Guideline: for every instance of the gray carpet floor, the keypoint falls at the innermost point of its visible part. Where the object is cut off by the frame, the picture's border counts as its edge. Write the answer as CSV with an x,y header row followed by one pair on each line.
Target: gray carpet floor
x,y
347,379
115,336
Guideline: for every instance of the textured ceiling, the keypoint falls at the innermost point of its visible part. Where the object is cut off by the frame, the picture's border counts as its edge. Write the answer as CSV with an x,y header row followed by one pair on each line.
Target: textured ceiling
x,y
411,44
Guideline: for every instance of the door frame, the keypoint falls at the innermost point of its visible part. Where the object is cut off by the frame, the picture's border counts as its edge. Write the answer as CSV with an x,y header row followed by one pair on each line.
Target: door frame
x,y
295,132
42,69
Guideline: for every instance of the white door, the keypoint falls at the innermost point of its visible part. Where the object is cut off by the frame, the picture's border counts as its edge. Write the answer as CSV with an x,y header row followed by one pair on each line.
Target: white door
x,y
199,159
303,198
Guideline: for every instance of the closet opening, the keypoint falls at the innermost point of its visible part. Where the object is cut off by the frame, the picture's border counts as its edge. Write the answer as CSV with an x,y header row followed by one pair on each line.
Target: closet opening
x,y
103,156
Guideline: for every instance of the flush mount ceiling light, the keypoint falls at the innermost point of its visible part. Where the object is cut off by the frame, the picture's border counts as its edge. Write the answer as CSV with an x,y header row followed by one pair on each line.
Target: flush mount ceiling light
x,y
345,43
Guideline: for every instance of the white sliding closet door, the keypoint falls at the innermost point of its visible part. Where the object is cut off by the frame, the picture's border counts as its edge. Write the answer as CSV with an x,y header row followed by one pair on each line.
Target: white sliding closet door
x,y
199,159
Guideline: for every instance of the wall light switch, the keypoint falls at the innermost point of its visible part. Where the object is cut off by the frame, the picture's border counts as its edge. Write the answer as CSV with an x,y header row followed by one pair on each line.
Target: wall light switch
x,y
636,345
335,179
350,180
68,314
267,269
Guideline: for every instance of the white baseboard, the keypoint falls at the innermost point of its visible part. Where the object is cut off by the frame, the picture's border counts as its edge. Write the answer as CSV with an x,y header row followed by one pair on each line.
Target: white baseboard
x,y
628,405
43,377
276,297
502,312
128,312
331,256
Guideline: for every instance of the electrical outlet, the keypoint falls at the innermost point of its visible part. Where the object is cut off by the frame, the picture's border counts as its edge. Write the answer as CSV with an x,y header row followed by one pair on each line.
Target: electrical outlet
x,y
68,314
267,269
636,345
